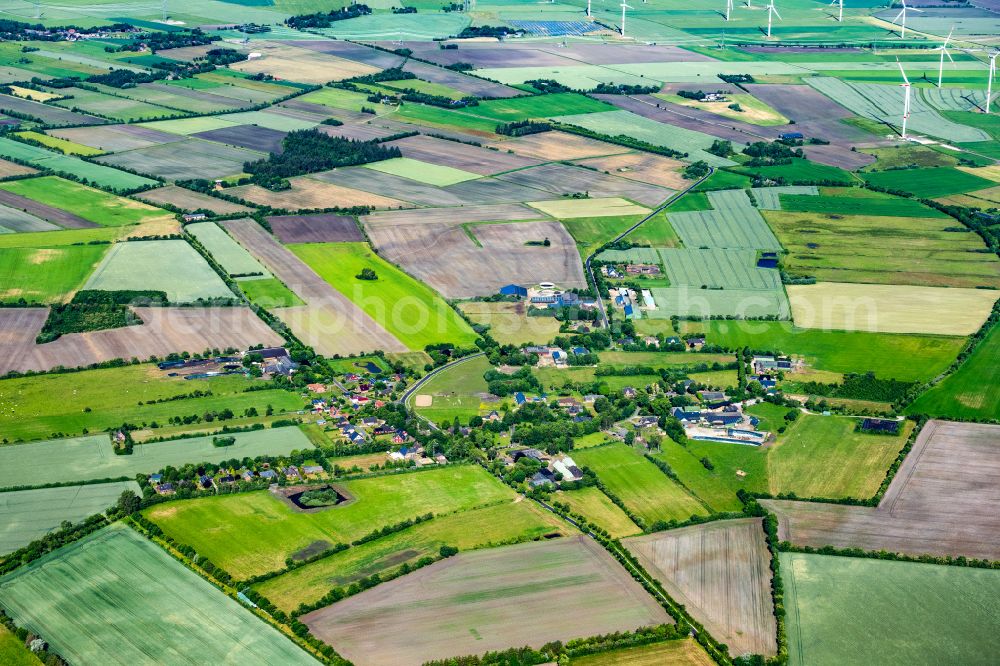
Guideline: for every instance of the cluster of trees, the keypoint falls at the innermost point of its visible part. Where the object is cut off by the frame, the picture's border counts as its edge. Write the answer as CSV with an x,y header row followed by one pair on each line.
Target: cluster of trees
x,y
522,128
159,41
736,78
521,381
390,74
721,147
498,31
125,78
697,170
91,310
763,153
223,57
860,387
624,89
309,151
326,19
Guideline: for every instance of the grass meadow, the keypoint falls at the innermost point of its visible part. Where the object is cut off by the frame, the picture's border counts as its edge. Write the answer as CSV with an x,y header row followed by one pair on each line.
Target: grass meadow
x,y
95,400
46,274
852,611
96,206
465,530
93,601
684,652
454,392
646,491
927,183
269,293
405,307
596,507
13,652
716,487
972,391
92,457
508,323
823,456
253,533
233,258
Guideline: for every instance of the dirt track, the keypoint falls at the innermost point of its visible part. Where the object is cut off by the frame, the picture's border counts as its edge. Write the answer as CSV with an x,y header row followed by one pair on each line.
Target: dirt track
x,y
945,500
164,330
329,322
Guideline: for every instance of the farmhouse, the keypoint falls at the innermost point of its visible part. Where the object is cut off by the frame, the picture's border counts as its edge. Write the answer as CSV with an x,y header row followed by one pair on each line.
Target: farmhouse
x,y
642,269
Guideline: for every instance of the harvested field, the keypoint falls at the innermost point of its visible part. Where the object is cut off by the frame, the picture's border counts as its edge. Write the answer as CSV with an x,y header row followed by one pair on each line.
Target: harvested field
x,y
489,600
847,611
942,501
561,179
163,331
16,220
27,515
557,146
330,322
684,652
308,193
460,156
90,600
721,572
357,131
574,208
890,308
461,261
456,215
46,113
509,324
262,139
315,228
42,211
115,138
171,266
384,185
180,159
644,167
8,169
297,64
811,111
189,200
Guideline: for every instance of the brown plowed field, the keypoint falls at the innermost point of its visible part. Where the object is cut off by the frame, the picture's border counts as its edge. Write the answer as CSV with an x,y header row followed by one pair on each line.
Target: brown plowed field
x,y
445,256
721,572
560,179
164,330
308,193
460,156
189,200
262,139
329,322
644,167
114,138
45,212
553,146
485,600
455,215
8,169
315,229
945,500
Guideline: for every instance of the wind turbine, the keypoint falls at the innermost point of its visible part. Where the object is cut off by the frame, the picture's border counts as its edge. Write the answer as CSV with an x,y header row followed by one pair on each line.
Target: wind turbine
x,y
902,13
840,15
771,12
588,9
944,52
989,81
624,7
906,96
729,8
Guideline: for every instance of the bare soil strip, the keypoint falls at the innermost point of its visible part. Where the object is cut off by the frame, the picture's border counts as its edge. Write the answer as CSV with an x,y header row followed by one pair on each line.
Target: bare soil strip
x,y
330,322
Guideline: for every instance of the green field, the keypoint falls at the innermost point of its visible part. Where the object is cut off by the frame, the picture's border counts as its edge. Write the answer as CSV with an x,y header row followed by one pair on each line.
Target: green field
x,y
928,183
336,98
231,256
509,323
889,356
972,391
13,652
596,507
799,172
590,233
58,238
171,266
45,274
253,533
269,293
684,652
95,400
92,457
62,145
855,201
733,222
405,307
837,247
658,359
93,600
96,173
466,530
96,206
538,107
27,515
655,232
424,172
454,392
434,116
646,491
851,611
823,456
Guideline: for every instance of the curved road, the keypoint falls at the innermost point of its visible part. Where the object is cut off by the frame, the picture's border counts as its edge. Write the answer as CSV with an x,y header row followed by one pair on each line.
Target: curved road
x,y
405,398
